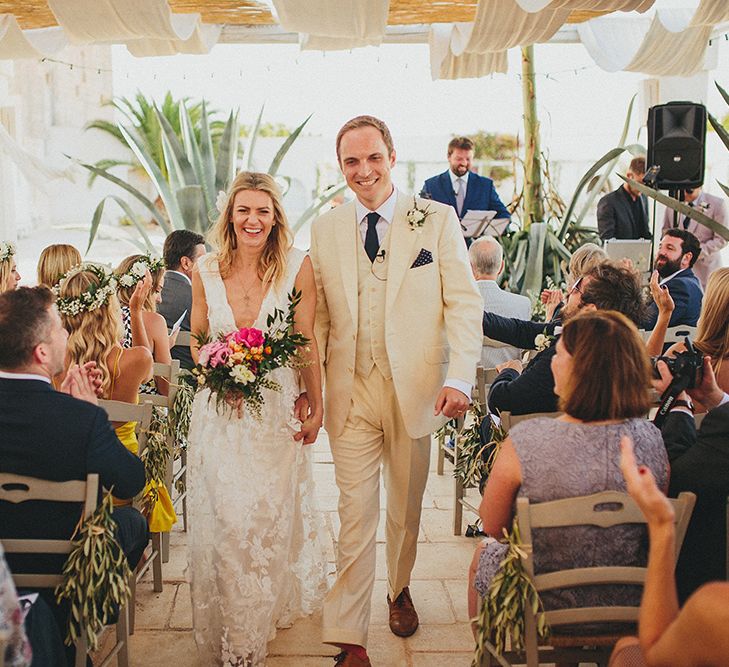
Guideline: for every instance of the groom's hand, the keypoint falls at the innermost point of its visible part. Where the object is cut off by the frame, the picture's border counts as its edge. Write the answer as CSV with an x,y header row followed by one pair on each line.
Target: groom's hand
x,y
301,407
451,403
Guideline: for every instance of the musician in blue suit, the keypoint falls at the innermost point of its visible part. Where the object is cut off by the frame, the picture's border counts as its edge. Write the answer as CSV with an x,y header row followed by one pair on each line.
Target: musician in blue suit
x,y
460,187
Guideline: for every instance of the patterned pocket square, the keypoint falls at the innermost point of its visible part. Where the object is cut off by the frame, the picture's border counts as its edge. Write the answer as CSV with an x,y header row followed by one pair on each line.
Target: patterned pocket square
x,y
424,257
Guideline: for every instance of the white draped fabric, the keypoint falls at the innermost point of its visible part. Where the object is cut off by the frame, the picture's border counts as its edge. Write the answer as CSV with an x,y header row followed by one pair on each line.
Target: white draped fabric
x,y
445,65
203,38
601,5
89,21
17,44
334,24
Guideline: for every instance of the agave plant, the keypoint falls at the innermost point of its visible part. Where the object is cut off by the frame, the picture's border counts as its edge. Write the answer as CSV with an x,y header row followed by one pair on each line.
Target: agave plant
x,y
681,207
193,171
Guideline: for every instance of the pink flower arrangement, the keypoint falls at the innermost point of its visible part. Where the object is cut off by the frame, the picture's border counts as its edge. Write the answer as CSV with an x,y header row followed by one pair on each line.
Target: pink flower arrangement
x,y
248,336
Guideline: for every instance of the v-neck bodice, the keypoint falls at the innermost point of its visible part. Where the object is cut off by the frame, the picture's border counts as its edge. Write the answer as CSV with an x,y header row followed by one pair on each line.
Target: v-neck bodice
x,y
221,318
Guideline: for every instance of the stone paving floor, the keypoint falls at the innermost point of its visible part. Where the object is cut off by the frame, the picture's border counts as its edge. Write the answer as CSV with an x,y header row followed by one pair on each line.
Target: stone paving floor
x,y
163,636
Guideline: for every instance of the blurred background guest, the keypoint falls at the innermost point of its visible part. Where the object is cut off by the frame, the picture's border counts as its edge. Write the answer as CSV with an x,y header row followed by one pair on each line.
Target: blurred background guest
x,y
9,275
55,261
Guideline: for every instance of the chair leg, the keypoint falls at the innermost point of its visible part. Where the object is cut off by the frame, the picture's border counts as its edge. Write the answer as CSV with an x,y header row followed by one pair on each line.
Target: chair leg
x,y
132,605
458,507
183,459
81,652
157,564
441,454
122,637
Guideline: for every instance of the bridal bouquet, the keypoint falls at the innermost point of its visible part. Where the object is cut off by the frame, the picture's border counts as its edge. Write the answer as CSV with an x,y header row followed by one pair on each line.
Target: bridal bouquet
x,y
235,366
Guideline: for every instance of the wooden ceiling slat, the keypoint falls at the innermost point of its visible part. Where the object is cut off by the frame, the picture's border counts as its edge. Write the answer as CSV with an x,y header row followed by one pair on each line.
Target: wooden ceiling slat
x,y
36,13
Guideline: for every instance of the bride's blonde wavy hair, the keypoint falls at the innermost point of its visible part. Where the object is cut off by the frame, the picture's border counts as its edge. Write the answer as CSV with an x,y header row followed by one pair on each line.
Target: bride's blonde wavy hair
x,y
91,334
272,262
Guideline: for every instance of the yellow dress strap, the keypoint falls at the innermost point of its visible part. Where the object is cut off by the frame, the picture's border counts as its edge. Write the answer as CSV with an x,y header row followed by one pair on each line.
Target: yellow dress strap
x,y
115,372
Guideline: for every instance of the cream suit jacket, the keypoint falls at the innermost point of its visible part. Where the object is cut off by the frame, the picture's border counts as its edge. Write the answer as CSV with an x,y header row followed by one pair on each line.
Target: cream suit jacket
x,y
433,312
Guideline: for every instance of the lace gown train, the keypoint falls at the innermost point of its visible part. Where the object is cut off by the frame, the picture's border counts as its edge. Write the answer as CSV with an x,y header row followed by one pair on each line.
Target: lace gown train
x,y
256,556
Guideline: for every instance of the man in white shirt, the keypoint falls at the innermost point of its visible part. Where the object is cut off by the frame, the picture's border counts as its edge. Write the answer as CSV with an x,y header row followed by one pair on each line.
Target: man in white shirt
x,y
487,262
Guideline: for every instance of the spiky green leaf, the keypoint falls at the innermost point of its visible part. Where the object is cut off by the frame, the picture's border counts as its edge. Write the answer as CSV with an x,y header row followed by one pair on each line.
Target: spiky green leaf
x,y
276,162
227,154
533,274
192,150
254,138
720,130
191,201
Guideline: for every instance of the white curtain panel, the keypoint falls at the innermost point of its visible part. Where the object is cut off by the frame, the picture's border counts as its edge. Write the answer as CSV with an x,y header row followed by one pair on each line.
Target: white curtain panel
x,y
88,21
203,39
17,44
711,12
445,65
346,23
601,5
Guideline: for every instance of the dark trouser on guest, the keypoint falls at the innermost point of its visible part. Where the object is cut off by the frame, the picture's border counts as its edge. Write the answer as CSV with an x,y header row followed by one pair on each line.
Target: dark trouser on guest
x,y
132,533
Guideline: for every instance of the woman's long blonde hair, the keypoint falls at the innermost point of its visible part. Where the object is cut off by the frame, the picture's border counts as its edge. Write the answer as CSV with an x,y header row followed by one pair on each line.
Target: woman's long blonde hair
x,y
55,261
125,293
712,329
6,270
272,262
91,334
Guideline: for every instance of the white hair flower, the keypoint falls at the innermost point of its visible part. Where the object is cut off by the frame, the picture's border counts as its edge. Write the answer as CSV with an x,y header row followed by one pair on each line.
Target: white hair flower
x,y
221,200
7,250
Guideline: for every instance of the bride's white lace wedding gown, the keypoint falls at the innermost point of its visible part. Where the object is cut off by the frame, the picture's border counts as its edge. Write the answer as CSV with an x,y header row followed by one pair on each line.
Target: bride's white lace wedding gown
x,y
256,550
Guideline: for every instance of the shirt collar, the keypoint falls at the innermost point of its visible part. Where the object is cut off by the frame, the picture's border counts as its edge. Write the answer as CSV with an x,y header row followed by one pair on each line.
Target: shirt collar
x,y
667,278
386,209
7,375
454,178
179,273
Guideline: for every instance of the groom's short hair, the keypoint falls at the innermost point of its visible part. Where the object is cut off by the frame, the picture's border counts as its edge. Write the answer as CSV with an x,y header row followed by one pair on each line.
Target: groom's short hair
x,y
367,121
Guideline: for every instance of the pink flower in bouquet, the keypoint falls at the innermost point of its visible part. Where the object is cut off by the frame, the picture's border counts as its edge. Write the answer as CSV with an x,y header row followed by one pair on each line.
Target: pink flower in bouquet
x,y
203,355
219,354
249,337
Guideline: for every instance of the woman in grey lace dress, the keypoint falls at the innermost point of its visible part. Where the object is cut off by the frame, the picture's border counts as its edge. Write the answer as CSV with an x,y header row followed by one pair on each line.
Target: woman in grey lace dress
x,y
602,377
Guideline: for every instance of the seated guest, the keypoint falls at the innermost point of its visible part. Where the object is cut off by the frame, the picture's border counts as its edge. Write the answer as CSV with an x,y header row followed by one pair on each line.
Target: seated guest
x,y
700,463
677,253
181,250
694,635
14,642
607,286
582,260
55,261
55,435
604,391
487,262
153,331
94,332
9,276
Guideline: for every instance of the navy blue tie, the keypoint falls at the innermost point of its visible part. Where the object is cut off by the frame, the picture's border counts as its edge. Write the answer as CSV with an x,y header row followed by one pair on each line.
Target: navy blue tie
x,y
372,243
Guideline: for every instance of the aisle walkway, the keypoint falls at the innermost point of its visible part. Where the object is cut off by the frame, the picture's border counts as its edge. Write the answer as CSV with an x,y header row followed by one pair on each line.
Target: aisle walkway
x,y
163,637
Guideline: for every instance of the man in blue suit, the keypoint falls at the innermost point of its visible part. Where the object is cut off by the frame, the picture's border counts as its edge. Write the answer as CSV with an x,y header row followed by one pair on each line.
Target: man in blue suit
x,y
677,253
460,187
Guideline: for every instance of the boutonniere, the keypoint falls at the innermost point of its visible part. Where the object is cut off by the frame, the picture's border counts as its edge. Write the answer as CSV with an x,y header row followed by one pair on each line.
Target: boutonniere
x,y
704,206
543,340
417,216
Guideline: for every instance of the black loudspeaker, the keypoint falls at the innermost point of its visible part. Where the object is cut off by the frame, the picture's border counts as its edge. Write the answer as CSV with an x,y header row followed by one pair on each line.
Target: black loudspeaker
x,y
677,144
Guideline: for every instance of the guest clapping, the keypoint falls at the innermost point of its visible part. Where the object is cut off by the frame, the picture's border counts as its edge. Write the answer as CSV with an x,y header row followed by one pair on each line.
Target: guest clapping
x,y
55,261
603,390
149,329
9,276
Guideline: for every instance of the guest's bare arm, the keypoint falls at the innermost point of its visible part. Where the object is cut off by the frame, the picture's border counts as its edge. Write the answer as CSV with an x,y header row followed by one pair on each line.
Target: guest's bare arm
x,y
665,304
497,505
199,316
136,314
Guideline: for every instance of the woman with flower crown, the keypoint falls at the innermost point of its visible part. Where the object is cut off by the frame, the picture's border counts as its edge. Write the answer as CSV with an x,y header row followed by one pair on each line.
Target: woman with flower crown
x,y
9,276
151,329
256,554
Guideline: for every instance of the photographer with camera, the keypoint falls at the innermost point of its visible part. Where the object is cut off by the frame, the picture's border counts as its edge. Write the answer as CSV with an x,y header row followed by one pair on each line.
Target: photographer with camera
x,y
699,463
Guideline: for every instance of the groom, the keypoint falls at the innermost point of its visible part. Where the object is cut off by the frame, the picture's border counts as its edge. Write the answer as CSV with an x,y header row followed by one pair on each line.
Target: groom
x,y
398,323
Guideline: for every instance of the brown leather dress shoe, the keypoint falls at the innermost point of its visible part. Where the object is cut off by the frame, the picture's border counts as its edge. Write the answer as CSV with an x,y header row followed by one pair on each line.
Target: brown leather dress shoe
x,y
345,659
403,617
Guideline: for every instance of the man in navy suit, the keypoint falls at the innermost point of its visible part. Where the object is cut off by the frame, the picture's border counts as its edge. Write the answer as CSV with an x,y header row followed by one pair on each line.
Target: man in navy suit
x,y
677,253
460,187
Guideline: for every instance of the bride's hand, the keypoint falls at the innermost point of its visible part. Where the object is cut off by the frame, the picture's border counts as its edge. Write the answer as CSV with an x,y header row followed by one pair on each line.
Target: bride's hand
x,y
235,401
309,429
301,407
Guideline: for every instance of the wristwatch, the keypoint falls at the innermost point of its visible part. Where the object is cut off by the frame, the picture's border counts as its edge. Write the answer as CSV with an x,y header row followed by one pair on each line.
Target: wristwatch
x,y
680,403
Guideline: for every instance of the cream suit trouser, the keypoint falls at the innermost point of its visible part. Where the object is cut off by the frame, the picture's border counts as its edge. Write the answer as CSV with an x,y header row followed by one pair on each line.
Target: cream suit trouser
x,y
373,435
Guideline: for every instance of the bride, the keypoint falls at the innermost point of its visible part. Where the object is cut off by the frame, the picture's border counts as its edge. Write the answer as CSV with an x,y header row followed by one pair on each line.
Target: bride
x,y
256,557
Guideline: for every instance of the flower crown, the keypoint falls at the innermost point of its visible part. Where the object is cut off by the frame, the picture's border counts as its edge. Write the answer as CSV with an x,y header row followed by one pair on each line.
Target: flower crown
x,y
7,250
94,297
137,270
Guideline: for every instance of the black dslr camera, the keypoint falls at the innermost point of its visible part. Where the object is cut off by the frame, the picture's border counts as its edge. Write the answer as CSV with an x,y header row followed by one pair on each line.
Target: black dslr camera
x,y
687,369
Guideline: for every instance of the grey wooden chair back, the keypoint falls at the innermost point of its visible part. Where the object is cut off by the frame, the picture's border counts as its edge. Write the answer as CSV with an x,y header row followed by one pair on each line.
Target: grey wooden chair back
x,y
508,420
119,411
183,339
678,333
604,510
17,489
170,373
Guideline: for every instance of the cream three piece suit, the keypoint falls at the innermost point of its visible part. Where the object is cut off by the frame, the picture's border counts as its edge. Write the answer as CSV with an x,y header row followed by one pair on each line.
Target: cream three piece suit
x,y
390,332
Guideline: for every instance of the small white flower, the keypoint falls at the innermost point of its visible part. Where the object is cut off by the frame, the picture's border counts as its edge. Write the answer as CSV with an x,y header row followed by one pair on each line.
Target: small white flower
x,y
126,280
542,342
242,375
138,269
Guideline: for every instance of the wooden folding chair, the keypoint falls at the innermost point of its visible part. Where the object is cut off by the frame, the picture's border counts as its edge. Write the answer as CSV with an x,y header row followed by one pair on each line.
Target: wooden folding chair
x,y
118,411
678,333
17,489
508,420
604,510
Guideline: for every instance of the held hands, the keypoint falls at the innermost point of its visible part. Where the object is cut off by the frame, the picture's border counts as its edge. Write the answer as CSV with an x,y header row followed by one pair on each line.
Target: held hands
x,y
310,421
642,488
141,291
451,403
661,296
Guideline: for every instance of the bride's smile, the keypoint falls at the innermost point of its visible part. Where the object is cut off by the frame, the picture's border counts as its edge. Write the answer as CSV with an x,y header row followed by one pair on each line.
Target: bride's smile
x,y
252,217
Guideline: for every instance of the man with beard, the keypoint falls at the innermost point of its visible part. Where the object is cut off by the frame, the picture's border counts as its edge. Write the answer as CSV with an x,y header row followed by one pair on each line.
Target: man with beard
x,y
461,188
523,391
677,253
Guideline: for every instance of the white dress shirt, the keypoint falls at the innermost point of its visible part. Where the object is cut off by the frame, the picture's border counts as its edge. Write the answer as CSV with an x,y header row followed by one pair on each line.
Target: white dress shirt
x,y
454,182
7,375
